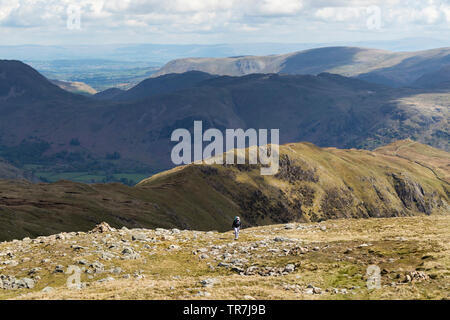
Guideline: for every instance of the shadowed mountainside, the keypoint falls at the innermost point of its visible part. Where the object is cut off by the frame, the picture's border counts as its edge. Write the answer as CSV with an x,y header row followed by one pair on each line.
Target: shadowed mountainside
x,y
162,85
9,172
437,79
44,126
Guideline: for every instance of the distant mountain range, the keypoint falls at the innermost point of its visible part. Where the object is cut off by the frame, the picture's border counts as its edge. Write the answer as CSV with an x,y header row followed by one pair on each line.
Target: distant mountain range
x,y
395,69
117,130
313,184
162,53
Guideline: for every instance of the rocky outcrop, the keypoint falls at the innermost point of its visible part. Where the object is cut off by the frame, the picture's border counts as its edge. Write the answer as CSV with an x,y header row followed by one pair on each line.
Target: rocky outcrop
x,y
411,193
10,283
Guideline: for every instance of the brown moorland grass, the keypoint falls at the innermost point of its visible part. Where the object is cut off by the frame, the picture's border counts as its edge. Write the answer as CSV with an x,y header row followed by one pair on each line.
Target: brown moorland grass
x,y
337,255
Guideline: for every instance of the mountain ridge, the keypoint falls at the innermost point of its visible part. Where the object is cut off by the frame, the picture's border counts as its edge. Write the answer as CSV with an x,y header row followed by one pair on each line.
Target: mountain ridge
x,y
313,184
395,69
54,130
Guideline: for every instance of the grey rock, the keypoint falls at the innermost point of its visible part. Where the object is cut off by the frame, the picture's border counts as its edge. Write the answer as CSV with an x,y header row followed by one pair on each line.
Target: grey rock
x,y
59,269
309,291
107,279
139,237
289,268
116,270
34,271
26,283
223,264
203,294
208,283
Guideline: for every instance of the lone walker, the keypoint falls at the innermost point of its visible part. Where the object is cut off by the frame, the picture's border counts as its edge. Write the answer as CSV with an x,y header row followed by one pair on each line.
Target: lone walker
x,y
236,226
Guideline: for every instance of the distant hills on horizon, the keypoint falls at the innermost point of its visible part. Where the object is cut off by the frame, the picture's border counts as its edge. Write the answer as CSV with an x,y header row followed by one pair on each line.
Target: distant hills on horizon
x,y
394,69
163,53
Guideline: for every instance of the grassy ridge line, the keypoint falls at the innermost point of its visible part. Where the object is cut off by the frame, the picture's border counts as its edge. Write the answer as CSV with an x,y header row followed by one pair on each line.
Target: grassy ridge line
x,y
313,184
431,158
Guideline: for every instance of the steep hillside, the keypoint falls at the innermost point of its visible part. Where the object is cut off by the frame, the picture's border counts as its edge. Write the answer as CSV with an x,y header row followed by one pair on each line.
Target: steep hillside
x,y
388,68
313,184
21,83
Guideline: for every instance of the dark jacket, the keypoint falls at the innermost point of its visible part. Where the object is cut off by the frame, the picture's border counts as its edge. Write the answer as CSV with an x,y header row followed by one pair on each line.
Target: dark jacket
x,y
236,224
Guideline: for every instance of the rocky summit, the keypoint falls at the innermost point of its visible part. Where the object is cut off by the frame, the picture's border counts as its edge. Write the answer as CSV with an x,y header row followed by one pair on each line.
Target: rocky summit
x,y
409,258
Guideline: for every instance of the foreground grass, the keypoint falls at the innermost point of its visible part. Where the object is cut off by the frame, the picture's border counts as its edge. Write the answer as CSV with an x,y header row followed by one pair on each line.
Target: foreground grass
x,y
335,257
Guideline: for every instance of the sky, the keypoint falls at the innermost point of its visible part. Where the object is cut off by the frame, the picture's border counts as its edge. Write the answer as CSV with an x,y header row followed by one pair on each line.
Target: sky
x,y
76,22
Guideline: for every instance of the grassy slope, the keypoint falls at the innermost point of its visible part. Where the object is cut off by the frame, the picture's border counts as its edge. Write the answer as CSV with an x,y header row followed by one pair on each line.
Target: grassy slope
x,y
432,158
352,174
318,184
75,87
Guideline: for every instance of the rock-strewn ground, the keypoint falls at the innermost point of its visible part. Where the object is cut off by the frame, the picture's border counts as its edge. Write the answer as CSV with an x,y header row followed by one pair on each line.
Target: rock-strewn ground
x,y
326,260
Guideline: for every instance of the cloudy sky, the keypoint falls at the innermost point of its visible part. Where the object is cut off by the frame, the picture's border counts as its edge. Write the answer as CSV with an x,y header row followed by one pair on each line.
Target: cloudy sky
x,y
219,21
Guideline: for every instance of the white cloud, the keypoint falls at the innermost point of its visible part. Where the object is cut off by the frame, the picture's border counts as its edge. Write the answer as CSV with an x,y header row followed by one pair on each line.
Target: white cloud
x,y
225,17
340,13
431,14
274,7
446,10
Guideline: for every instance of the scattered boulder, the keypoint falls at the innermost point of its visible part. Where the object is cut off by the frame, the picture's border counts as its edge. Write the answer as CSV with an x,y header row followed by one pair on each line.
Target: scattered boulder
x,y
415,276
208,283
59,269
289,268
102,228
139,237
203,294
34,271
95,267
12,283
107,279
281,239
